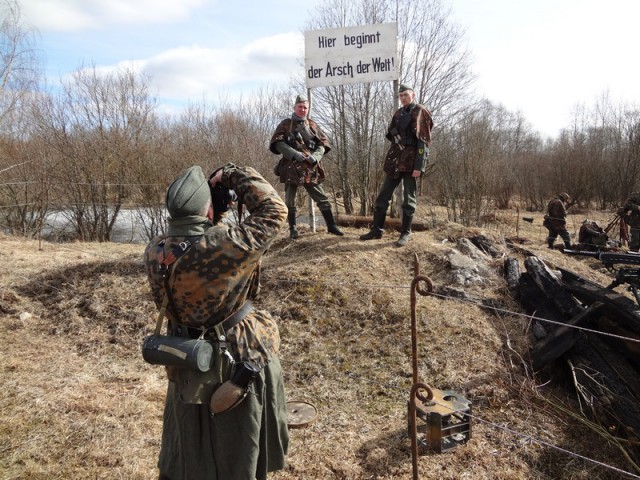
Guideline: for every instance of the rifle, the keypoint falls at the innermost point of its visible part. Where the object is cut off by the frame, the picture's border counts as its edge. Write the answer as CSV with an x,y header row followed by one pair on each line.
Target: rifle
x,y
628,275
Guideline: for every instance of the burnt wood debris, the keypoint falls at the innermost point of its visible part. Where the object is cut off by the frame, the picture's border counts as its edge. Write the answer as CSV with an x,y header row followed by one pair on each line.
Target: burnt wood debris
x,y
590,334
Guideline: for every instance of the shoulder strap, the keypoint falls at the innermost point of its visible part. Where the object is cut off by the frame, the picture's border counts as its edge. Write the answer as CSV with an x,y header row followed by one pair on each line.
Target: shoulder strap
x,y
169,261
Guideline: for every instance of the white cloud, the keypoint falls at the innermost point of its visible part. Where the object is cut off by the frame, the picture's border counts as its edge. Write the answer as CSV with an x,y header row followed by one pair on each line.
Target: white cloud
x,y
192,72
75,15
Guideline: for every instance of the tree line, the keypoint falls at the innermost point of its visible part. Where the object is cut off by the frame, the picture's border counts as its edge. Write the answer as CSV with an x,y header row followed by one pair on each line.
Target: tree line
x,y
100,143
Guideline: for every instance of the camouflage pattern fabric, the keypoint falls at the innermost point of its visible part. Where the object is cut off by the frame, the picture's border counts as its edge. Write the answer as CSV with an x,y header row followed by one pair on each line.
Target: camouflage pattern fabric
x,y
212,280
591,236
556,214
631,216
299,173
411,123
219,273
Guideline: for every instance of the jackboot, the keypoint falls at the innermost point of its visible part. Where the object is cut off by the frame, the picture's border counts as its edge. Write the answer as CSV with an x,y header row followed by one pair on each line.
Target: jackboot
x,y
331,223
405,234
379,217
291,218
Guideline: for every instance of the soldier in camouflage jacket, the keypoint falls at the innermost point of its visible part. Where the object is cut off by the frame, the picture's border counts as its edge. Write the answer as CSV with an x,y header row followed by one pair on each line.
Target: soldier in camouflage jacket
x,y
214,278
631,215
302,145
410,135
555,222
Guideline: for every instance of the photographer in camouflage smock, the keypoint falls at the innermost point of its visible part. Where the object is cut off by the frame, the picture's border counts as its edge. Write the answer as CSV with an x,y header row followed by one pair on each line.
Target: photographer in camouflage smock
x,y
302,145
213,429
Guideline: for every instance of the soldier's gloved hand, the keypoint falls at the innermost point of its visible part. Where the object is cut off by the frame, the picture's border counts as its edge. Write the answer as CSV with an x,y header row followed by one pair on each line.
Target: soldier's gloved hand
x,y
316,156
298,157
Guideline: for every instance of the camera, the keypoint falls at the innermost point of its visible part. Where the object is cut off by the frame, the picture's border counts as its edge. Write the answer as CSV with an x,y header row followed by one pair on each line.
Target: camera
x,y
221,198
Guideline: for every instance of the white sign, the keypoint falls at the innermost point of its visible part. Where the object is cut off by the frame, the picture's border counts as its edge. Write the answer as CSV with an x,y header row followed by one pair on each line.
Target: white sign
x,y
337,56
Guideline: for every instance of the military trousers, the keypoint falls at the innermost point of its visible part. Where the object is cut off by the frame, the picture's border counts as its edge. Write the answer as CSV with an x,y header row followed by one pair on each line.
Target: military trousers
x,y
315,191
410,198
634,238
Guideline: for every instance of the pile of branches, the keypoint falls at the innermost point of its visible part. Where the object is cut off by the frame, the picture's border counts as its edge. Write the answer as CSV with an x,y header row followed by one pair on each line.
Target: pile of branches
x,y
591,333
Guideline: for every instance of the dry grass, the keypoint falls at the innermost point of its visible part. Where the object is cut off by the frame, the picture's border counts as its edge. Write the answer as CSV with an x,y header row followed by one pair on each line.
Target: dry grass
x,y
77,400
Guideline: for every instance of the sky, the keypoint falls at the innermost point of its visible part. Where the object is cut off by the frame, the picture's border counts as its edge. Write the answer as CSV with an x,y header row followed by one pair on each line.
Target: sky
x,y
541,58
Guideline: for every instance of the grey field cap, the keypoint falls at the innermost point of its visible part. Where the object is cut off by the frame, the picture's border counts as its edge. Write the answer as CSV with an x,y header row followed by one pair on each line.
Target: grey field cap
x,y
301,98
188,194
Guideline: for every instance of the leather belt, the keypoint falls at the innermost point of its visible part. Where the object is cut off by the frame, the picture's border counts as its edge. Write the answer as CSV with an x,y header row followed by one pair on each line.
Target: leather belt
x,y
236,317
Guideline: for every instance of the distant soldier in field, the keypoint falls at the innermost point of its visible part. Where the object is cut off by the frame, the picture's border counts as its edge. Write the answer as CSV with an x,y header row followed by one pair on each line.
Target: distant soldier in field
x,y
555,220
630,213
591,236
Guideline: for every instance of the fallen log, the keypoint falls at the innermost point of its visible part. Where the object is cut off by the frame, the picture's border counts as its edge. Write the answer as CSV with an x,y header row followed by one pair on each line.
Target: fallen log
x,y
552,288
486,245
621,315
604,368
512,273
562,339
611,402
536,303
390,223
618,306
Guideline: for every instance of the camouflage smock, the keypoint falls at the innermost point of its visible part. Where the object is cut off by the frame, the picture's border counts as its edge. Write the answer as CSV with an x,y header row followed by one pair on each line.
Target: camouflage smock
x,y
218,274
555,218
299,173
409,126
631,210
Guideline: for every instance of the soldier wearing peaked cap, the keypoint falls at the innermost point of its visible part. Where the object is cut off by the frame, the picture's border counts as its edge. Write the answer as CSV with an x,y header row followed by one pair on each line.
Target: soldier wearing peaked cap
x,y
410,135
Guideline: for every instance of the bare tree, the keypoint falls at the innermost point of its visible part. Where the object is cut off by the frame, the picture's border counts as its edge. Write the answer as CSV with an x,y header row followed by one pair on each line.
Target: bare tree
x,y
97,128
19,68
432,58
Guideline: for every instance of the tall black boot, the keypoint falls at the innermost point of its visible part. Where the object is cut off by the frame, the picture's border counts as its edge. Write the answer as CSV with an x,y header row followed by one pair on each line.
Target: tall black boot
x,y
291,218
379,217
331,223
405,234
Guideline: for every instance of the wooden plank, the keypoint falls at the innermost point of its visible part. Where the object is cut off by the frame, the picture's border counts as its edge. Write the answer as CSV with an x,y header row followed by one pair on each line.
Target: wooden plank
x,y
556,344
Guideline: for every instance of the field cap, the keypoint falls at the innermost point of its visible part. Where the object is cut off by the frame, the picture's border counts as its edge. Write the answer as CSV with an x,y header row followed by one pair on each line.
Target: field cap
x,y
188,194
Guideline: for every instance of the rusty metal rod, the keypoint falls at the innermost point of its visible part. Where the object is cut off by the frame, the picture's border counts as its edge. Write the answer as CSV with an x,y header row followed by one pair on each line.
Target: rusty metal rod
x,y
413,427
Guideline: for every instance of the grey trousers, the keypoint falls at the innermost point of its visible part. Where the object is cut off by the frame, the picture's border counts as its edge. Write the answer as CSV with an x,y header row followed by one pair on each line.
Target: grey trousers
x,y
316,192
410,199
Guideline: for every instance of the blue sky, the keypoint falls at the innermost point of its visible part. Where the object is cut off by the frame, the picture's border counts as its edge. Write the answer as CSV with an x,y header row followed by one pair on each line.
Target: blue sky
x,y
541,58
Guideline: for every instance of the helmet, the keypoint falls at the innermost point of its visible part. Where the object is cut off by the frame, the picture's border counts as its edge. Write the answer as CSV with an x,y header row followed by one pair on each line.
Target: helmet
x,y
564,196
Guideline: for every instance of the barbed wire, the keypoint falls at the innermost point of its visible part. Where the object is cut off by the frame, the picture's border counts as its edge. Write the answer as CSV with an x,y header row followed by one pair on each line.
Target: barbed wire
x,y
511,431
529,437
93,184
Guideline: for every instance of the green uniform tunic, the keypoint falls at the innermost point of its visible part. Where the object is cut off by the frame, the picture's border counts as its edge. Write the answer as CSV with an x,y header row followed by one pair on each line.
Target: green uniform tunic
x,y
214,278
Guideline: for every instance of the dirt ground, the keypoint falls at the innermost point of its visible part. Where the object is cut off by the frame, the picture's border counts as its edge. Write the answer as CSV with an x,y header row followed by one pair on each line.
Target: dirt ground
x,y
77,401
